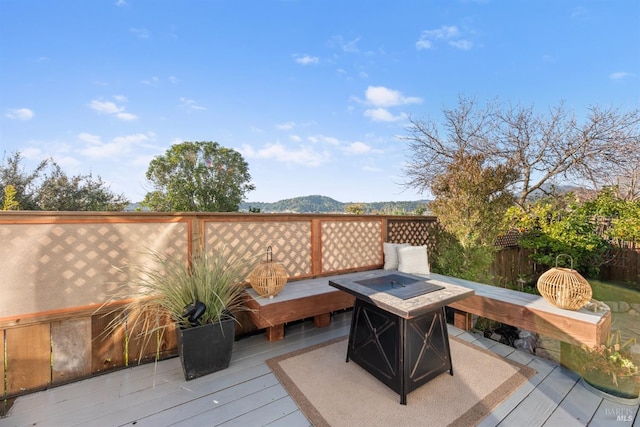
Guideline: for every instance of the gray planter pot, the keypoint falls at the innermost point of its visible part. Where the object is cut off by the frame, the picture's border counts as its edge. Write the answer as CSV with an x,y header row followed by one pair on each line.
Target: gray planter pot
x,y
206,348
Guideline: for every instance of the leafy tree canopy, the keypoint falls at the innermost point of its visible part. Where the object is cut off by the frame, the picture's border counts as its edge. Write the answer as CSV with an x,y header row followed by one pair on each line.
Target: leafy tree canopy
x,y
583,230
198,176
469,196
60,192
49,188
25,183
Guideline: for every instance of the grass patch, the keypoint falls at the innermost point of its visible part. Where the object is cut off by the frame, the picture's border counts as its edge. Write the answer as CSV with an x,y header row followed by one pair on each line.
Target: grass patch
x,y
609,291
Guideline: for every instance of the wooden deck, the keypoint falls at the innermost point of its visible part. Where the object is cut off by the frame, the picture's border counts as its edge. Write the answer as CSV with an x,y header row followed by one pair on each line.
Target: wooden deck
x,y
248,394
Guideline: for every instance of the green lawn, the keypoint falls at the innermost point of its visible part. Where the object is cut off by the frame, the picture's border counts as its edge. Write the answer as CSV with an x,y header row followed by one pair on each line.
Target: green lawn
x,y
608,291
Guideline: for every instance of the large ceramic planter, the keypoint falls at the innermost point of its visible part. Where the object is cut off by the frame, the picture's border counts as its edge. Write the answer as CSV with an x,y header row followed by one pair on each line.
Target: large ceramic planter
x,y
627,391
206,348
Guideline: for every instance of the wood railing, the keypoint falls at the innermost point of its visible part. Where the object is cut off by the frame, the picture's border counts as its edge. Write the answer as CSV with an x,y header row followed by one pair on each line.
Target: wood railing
x,y
58,270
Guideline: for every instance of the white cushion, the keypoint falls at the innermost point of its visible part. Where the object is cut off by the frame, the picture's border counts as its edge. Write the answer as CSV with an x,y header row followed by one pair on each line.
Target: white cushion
x,y
413,260
391,254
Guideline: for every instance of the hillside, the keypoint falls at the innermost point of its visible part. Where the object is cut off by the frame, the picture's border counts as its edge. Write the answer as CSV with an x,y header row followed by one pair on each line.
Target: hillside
x,y
323,204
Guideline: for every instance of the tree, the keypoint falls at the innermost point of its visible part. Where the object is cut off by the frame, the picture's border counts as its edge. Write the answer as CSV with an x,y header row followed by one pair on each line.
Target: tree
x,y
47,187
470,199
198,176
59,192
26,184
355,208
558,225
10,203
544,148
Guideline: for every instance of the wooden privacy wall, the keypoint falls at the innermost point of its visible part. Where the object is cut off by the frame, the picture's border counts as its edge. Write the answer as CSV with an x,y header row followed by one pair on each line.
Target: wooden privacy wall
x,y
351,244
289,240
625,265
57,270
56,266
417,233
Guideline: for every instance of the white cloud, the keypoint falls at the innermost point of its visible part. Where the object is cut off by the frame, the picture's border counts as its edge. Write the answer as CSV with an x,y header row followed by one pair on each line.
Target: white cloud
x,y
449,33
153,81
126,116
120,98
142,33
89,138
286,126
67,161
295,138
115,148
31,153
105,107
382,115
278,152
348,46
111,109
189,104
306,59
23,114
423,44
380,96
357,148
121,3
461,44
619,75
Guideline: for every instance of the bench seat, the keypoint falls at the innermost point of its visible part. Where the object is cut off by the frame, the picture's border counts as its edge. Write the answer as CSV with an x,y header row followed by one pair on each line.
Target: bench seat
x,y
529,312
314,298
298,300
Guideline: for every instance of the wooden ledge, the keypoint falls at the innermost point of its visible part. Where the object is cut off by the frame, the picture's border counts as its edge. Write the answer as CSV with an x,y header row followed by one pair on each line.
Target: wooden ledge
x,y
531,312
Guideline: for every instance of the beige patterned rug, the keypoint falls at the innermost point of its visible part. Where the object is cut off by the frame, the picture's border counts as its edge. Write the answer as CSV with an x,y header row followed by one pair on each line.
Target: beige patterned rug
x,y
331,392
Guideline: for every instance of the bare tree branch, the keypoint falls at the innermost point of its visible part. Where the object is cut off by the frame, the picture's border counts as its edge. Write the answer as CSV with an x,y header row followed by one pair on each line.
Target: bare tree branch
x,y
546,149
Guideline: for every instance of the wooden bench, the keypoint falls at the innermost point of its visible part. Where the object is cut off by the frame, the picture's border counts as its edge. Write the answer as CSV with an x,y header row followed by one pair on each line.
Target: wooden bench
x,y
529,312
315,298
298,300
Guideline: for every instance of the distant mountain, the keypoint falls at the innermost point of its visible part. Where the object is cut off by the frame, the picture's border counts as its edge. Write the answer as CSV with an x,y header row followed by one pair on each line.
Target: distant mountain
x,y
323,204
320,204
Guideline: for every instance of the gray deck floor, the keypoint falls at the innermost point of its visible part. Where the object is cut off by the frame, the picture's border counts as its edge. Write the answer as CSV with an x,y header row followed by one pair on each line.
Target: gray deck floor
x,y
248,394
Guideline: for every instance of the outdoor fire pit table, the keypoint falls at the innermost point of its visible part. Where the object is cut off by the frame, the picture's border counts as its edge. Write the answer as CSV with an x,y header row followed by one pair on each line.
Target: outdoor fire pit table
x,y
398,327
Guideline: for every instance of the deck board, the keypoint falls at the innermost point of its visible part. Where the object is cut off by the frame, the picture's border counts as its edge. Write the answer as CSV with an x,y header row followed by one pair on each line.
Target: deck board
x,y
247,393
576,409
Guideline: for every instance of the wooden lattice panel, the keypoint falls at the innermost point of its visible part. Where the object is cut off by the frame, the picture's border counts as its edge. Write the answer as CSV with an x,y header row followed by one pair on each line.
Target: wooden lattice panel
x,y
350,244
414,232
57,266
290,241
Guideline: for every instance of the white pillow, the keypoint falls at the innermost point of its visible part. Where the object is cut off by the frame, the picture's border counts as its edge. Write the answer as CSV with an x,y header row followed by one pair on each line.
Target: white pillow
x,y
391,254
413,260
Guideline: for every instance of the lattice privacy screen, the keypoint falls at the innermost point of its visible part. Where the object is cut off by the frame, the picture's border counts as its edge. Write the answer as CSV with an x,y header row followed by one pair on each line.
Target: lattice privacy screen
x,y
289,241
350,244
57,266
414,232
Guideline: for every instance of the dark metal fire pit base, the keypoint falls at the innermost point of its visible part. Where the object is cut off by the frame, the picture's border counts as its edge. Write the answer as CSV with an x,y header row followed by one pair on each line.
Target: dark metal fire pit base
x,y
402,353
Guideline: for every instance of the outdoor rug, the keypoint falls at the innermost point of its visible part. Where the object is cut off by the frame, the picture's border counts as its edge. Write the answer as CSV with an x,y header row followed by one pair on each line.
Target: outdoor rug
x,y
331,392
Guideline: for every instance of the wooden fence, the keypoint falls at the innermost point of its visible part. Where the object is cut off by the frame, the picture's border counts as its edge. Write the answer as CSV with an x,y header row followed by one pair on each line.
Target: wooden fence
x,y
58,270
513,263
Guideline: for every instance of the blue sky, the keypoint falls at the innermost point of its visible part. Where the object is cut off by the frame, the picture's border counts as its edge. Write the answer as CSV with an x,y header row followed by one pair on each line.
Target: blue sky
x,y
314,94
